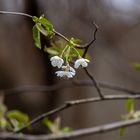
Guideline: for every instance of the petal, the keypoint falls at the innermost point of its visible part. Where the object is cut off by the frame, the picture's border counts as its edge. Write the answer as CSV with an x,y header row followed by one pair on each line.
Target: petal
x,y
77,64
84,64
53,63
69,75
87,60
72,70
60,73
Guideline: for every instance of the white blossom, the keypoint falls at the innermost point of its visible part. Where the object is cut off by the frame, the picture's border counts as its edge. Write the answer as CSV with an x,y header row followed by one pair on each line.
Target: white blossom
x,y
67,71
57,61
81,62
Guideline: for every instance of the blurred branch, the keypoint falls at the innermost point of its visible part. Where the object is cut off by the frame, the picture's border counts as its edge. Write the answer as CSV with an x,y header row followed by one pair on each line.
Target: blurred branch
x,y
64,85
74,134
69,104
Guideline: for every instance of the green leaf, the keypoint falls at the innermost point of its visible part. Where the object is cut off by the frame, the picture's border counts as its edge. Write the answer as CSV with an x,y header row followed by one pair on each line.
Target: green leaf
x,y
53,50
66,129
35,19
47,25
36,36
3,110
41,29
75,41
121,131
3,123
17,119
136,66
49,124
130,105
17,115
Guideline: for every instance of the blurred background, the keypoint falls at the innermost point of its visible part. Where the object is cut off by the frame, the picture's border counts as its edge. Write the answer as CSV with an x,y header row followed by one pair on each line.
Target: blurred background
x,y
116,49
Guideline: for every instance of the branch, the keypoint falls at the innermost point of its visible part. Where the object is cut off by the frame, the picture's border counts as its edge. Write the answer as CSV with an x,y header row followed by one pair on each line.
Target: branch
x,y
74,134
95,84
16,13
91,42
69,104
64,85
85,46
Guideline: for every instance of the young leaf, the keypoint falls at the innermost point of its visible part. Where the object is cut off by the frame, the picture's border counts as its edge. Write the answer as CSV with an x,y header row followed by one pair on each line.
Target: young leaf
x,y
66,129
17,115
17,119
75,41
47,25
49,124
35,19
3,123
136,66
121,131
130,105
41,29
36,37
52,50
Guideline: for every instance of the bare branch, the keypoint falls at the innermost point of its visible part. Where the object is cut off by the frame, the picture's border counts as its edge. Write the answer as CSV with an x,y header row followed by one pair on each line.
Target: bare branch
x,y
95,84
16,13
91,42
69,104
74,134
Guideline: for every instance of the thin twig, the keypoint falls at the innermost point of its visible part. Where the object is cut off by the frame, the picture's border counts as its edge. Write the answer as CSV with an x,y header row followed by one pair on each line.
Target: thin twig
x,y
16,13
94,83
74,134
69,104
85,46
92,41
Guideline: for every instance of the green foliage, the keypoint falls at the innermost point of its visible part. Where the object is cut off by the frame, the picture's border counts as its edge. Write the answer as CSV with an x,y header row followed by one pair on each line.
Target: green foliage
x,y
3,121
54,126
43,26
131,113
41,29
36,37
136,66
53,50
75,41
66,129
130,105
12,120
17,119
68,52
47,25
121,131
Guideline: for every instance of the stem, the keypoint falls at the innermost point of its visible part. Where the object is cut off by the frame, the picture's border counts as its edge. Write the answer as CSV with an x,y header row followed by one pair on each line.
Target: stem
x,y
16,13
77,52
64,50
95,84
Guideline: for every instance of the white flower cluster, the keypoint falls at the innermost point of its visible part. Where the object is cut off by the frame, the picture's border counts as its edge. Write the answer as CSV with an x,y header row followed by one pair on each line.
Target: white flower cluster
x,y
67,71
